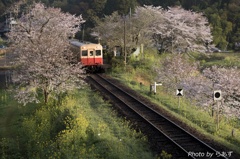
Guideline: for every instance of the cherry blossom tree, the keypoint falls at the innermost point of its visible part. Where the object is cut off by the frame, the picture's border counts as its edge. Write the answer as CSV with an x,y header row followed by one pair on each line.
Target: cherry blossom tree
x,y
177,72
200,89
175,69
183,30
174,28
237,44
111,28
142,20
41,53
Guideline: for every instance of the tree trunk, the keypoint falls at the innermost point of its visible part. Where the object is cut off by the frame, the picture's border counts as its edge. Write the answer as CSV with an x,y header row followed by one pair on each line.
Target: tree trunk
x,y
46,96
161,50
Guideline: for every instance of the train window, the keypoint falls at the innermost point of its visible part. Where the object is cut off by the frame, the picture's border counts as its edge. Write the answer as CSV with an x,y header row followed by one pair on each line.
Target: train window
x,y
91,53
84,53
98,52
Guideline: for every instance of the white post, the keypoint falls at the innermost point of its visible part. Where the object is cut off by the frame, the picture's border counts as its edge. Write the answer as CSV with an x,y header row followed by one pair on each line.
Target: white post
x,y
115,51
217,117
155,88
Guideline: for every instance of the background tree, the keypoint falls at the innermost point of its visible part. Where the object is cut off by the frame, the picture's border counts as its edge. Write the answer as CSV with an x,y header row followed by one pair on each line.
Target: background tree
x,y
224,30
40,47
174,70
183,30
111,28
200,89
142,21
122,6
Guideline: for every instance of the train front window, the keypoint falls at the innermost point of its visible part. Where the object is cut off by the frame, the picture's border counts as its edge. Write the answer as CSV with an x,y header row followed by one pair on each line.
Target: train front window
x,y
91,53
98,52
84,53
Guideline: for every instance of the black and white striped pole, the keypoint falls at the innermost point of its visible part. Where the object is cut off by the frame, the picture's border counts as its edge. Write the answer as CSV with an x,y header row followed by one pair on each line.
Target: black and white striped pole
x,y
179,93
217,95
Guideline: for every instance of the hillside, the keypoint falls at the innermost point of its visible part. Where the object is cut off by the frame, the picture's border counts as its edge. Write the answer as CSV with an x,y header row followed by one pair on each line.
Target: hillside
x,y
223,15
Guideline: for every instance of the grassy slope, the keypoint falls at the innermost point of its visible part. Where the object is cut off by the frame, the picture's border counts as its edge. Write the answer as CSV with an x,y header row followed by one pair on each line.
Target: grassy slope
x,y
199,119
80,125
219,59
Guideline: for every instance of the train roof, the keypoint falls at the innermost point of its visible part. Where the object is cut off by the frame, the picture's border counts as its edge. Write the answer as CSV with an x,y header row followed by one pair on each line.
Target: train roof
x,y
79,44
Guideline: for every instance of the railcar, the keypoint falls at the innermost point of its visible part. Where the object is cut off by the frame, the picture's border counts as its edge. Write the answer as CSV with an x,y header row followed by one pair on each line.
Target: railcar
x,y
89,54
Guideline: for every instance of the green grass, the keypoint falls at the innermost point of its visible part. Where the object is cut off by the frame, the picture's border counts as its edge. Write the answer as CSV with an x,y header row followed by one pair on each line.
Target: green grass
x,y
219,59
188,113
80,125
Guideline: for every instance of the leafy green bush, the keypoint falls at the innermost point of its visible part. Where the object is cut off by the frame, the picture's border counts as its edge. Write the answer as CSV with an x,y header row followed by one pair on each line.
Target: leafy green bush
x,y
74,127
108,56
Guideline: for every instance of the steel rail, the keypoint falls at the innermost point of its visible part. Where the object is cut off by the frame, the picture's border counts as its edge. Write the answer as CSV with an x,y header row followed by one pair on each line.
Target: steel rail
x,y
189,155
143,117
165,118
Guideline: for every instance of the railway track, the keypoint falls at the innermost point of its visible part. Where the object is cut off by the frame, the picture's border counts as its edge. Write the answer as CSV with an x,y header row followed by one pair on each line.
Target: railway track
x,y
169,136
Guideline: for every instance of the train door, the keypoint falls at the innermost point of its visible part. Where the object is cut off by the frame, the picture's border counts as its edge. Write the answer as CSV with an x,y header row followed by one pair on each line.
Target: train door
x,y
91,56
98,57
84,57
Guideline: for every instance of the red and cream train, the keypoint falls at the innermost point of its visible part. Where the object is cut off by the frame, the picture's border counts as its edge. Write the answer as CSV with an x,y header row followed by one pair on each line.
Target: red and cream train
x,y
89,54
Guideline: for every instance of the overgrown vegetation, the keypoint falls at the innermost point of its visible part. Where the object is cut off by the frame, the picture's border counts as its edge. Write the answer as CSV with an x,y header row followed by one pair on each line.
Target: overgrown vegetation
x,y
139,71
80,125
223,15
219,59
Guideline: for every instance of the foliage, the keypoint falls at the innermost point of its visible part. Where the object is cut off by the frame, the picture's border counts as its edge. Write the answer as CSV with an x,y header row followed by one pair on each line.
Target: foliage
x,y
142,21
122,6
223,15
174,70
183,30
110,30
178,72
3,42
40,49
174,28
76,127
190,112
200,89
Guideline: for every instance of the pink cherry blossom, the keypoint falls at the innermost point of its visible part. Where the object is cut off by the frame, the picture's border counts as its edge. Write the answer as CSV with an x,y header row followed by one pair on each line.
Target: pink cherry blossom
x,y
41,54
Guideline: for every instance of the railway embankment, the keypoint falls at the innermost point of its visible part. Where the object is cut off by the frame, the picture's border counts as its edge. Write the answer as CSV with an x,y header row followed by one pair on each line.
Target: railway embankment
x,y
158,142
138,75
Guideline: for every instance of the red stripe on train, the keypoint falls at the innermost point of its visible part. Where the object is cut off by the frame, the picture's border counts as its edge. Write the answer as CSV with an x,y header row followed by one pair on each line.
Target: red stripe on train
x,y
92,61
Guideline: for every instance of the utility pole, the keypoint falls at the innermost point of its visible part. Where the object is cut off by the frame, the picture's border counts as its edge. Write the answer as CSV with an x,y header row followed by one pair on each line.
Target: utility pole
x,y
125,41
98,38
130,23
83,32
10,21
6,20
16,11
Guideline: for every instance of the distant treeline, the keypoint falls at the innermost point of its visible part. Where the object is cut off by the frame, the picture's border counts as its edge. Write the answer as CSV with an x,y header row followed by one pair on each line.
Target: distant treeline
x,y
223,15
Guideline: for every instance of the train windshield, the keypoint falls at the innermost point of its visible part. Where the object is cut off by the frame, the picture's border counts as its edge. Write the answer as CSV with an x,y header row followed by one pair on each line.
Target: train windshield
x,y
98,52
84,53
91,53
